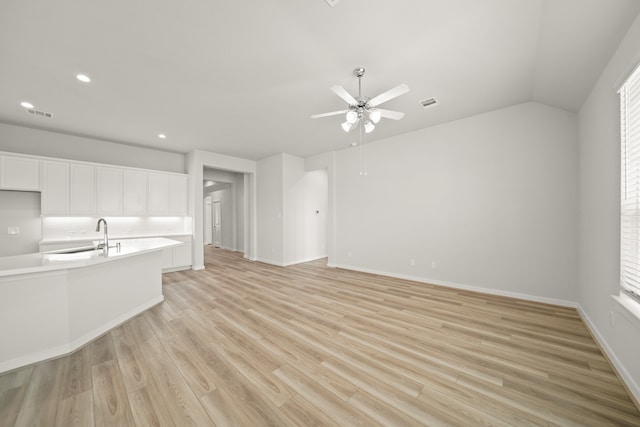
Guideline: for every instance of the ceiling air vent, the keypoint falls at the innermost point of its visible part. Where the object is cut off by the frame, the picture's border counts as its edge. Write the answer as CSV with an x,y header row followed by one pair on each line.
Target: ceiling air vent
x,y
39,113
428,103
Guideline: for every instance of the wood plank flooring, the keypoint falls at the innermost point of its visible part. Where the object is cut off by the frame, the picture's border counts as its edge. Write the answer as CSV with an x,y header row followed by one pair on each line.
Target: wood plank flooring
x,y
246,344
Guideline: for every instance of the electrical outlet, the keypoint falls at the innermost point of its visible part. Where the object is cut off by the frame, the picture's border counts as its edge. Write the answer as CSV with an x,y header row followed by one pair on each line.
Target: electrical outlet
x,y
349,254
434,265
412,262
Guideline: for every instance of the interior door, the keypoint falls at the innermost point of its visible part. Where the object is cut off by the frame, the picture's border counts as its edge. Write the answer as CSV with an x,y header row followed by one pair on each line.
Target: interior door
x,y
217,227
208,222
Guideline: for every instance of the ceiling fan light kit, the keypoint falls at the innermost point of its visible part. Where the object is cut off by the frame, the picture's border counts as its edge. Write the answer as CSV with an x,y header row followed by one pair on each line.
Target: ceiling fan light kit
x,y
362,109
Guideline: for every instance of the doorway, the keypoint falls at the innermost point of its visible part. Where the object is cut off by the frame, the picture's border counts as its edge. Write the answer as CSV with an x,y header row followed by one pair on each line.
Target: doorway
x,y
208,221
217,224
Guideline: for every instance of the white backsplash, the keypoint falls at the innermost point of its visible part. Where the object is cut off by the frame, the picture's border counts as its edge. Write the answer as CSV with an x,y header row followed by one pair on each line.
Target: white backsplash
x,y
84,228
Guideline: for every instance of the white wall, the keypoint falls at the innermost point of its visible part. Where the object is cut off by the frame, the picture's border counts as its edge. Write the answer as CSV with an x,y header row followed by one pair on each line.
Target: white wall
x,y
19,139
270,198
19,209
305,211
599,268
491,199
289,230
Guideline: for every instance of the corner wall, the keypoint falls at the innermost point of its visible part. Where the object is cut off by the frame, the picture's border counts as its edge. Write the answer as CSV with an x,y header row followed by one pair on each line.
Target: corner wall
x,y
616,329
305,212
36,142
486,203
289,229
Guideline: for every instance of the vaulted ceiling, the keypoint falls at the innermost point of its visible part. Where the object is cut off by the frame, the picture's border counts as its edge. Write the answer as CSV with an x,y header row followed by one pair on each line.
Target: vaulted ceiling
x,y
243,77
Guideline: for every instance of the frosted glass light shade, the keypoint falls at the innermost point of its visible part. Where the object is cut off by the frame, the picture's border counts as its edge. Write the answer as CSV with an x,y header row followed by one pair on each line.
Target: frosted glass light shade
x,y
369,127
352,116
375,116
346,126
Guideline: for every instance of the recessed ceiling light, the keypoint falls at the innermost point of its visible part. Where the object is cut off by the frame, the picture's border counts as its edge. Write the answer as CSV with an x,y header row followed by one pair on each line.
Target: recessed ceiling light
x,y
83,78
162,136
26,104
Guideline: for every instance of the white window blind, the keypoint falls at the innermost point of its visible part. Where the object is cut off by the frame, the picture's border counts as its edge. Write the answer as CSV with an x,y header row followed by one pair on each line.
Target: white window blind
x,y
630,184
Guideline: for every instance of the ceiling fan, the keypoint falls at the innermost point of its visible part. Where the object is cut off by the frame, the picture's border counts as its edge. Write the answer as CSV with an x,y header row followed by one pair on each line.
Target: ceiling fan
x,y
364,109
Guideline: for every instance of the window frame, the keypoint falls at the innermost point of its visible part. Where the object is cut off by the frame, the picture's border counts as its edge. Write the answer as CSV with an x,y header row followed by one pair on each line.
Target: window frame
x,y
630,185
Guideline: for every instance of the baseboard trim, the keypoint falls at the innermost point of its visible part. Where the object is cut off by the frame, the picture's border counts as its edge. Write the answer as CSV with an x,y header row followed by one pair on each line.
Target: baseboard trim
x,y
303,260
174,269
270,261
497,292
625,378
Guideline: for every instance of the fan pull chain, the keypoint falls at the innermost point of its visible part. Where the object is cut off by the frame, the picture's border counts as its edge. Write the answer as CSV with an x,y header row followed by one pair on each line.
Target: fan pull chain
x,y
363,154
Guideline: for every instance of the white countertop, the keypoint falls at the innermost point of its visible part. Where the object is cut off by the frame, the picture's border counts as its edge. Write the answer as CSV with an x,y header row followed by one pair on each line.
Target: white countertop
x,y
43,262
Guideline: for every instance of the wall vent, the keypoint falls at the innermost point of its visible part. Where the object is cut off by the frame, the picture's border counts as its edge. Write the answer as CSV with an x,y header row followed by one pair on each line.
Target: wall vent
x,y
39,113
428,103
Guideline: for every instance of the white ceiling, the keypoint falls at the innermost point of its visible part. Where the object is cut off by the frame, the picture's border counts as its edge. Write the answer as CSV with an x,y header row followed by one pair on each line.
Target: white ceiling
x,y
242,77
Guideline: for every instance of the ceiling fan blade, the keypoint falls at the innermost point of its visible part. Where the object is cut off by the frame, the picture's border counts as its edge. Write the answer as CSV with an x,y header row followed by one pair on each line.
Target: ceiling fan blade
x,y
388,95
333,113
395,115
342,93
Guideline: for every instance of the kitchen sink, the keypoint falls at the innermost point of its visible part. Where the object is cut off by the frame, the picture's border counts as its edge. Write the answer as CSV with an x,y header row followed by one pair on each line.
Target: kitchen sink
x,y
73,250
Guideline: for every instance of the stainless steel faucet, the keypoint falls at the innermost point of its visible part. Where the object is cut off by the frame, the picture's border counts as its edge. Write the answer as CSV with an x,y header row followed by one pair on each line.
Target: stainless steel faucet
x,y
104,245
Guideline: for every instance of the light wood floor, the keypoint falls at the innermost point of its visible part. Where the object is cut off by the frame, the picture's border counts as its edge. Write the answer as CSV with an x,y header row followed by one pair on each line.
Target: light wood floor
x,y
247,344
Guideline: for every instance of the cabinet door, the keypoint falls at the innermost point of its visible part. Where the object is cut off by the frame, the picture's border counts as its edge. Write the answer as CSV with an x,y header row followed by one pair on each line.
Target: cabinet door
x,y
109,191
182,255
135,192
83,189
178,195
167,258
158,194
19,173
55,188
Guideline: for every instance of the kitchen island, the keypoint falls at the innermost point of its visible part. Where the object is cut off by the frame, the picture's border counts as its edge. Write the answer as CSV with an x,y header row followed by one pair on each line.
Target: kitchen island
x,y
53,303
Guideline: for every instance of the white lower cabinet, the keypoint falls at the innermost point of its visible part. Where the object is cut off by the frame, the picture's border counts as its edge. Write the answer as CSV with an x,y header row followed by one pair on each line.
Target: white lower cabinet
x,y
177,257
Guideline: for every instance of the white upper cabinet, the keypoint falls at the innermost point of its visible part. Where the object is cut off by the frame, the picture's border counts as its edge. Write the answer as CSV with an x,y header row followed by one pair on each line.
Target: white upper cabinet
x,y
83,189
158,194
167,194
90,189
108,191
19,173
178,195
55,188
134,192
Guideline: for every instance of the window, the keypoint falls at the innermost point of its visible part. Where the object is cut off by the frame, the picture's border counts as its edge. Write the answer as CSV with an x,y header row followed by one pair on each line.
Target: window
x,y
630,185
